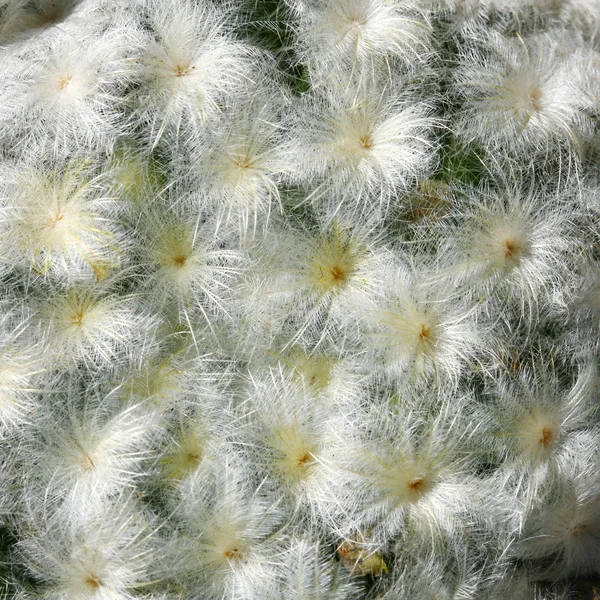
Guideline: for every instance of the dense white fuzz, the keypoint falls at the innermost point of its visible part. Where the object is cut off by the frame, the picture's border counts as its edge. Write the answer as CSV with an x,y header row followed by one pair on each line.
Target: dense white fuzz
x,y
360,36
534,424
189,66
241,172
328,276
307,572
584,14
59,223
400,471
229,547
290,434
359,149
564,529
455,575
584,309
522,94
67,94
421,330
85,457
18,367
102,558
188,262
517,585
90,325
512,245
299,299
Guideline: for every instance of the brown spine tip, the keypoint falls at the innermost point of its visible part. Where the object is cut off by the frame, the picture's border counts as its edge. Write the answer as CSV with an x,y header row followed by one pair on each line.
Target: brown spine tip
x,y
182,70
305,460
366,142
93,581
511,249
179,260
338,273
77,319
232,553
424,333
417,484
546,437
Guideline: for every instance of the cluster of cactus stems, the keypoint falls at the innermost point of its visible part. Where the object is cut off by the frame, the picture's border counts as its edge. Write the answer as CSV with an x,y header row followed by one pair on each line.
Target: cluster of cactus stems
x,y
299,299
